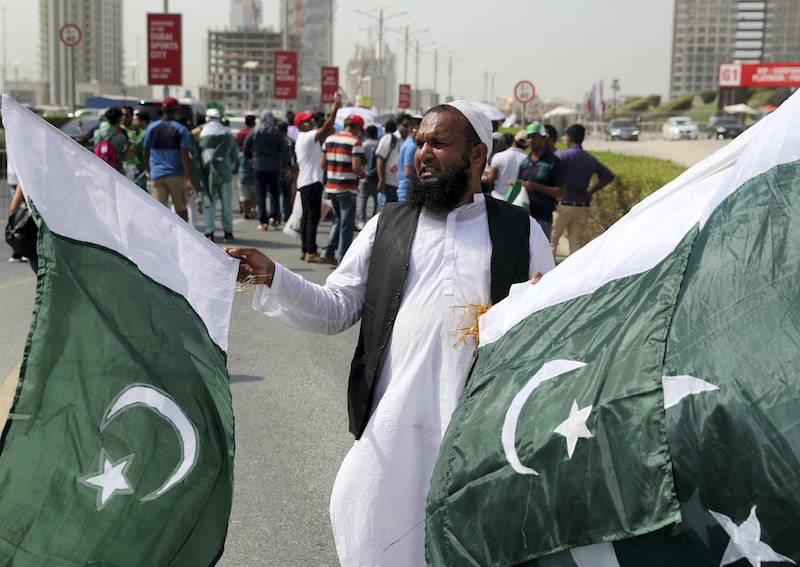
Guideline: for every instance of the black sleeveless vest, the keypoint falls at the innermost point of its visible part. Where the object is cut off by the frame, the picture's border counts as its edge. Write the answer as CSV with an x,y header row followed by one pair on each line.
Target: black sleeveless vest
x,y
509,232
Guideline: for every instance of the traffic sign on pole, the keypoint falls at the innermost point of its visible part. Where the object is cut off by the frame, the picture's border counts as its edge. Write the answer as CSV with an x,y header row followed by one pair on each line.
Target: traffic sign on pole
x,y
70,35
524,92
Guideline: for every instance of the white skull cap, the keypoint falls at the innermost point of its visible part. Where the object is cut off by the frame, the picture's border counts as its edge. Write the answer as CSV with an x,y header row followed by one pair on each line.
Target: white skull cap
x,y
480,122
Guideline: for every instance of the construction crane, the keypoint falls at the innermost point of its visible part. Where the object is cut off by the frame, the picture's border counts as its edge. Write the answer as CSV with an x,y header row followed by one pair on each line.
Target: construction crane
x,y
254,6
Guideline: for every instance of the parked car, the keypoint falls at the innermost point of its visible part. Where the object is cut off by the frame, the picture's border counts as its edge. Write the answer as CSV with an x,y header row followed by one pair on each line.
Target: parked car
x,y
190,113
88,125
622,130
724,127
679,128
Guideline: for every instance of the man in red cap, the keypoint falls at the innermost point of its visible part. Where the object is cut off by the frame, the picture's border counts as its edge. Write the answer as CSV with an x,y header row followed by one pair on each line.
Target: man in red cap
x,y
342,158
166,159
309,177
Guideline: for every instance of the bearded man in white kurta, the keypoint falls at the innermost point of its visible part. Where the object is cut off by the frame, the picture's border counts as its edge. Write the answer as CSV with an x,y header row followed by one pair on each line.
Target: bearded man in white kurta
x,y
378,500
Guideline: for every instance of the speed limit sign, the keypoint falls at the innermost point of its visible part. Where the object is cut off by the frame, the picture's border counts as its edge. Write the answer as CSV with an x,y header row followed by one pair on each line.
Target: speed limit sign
x,y
70,35
524,92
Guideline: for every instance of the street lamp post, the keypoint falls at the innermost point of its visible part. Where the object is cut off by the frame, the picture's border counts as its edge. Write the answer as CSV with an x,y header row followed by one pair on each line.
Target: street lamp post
x,y
381,20
450,75
416,61
16,63
134,65
5,47
405,47
166,11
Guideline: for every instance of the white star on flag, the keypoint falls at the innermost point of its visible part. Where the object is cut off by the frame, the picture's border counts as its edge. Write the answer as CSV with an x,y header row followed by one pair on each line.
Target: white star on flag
x,y
111,480
746,541
574,427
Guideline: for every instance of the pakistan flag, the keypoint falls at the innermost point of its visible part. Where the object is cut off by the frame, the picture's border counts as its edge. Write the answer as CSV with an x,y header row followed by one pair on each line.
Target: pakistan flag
x,y
119,446
639,406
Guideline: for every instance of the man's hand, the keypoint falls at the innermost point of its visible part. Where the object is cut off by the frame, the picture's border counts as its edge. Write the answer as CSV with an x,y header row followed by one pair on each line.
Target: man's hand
x,y
536,277
189,187
253,262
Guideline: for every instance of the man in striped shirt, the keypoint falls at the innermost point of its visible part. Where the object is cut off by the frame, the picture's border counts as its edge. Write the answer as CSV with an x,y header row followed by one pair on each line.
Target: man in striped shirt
x,y
342,155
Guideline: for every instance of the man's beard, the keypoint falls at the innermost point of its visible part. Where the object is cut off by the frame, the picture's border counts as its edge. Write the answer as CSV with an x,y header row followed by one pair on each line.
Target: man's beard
x,y
441,195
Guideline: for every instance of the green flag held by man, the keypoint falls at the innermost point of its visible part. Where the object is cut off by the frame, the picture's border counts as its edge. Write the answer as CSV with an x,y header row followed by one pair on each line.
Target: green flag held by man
x,y
639,405
119,446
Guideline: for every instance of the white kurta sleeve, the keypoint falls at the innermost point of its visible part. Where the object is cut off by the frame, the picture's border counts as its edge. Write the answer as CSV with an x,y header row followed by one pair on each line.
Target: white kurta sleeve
x,y
326,309
541,255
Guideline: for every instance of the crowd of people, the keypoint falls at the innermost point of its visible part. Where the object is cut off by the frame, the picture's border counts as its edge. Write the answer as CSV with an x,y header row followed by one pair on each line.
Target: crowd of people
x,y
357,170
407,277
421,231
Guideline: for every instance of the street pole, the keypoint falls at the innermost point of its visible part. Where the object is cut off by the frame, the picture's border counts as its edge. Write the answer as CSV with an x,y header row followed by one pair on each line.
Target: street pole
x,y
435,72
380,43
416,68
405,60
5,50
166,11
285,43
72,77
450,77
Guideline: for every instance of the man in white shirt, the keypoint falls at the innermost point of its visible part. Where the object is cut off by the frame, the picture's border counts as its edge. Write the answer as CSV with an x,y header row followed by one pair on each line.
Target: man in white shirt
x,y
405,384
386,156
504,167
308,152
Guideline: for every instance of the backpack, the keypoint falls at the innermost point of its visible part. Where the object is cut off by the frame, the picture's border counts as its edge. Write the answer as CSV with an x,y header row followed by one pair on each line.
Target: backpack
x,y
106,152
372,164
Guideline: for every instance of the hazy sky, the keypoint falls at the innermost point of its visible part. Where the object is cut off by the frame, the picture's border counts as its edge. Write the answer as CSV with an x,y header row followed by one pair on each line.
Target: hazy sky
x,y
562,46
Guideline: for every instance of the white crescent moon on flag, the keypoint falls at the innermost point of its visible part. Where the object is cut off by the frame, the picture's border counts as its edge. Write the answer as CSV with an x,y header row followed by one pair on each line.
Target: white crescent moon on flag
x,y
163,405
549,370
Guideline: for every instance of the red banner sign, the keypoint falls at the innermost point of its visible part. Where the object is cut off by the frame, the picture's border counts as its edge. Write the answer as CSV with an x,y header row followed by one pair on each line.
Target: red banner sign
x,y
330,83
286,75
164,61
759,75
404,96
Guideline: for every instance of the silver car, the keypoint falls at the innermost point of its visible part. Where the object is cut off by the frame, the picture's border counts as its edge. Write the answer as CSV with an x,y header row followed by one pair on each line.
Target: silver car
x,y
679,128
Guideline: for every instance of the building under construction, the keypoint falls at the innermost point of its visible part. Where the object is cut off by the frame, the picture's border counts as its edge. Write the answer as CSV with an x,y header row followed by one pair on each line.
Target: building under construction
x,y
240,60
240,68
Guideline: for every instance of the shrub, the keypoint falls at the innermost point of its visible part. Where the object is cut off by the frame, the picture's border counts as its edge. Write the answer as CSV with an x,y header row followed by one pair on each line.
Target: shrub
x,y
636,178
760,97
636,104
679,103
654,100
708,95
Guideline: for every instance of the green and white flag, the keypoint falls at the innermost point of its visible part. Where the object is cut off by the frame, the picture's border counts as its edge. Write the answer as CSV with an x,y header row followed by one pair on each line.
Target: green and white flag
x,y
639,405
119,446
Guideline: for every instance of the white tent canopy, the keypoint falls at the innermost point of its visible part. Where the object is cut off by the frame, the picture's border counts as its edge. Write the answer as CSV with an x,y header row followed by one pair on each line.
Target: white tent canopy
x,y
368,115
739,109
490,110
560,111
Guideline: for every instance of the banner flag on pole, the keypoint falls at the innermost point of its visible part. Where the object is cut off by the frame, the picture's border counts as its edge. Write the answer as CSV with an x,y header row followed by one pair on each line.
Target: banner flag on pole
x,y
119,446
639,405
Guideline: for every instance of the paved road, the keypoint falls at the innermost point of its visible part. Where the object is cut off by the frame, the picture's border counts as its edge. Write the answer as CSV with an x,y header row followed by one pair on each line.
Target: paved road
x,y
288,393
289,400
684,152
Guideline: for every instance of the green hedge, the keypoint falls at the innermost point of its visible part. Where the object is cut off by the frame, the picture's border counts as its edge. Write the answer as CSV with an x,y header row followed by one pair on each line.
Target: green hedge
x,y
679,103
636,178
708,95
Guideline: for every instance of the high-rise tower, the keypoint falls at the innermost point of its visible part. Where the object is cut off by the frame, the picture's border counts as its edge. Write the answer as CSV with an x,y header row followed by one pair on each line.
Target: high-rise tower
x,y
98,63
709,32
